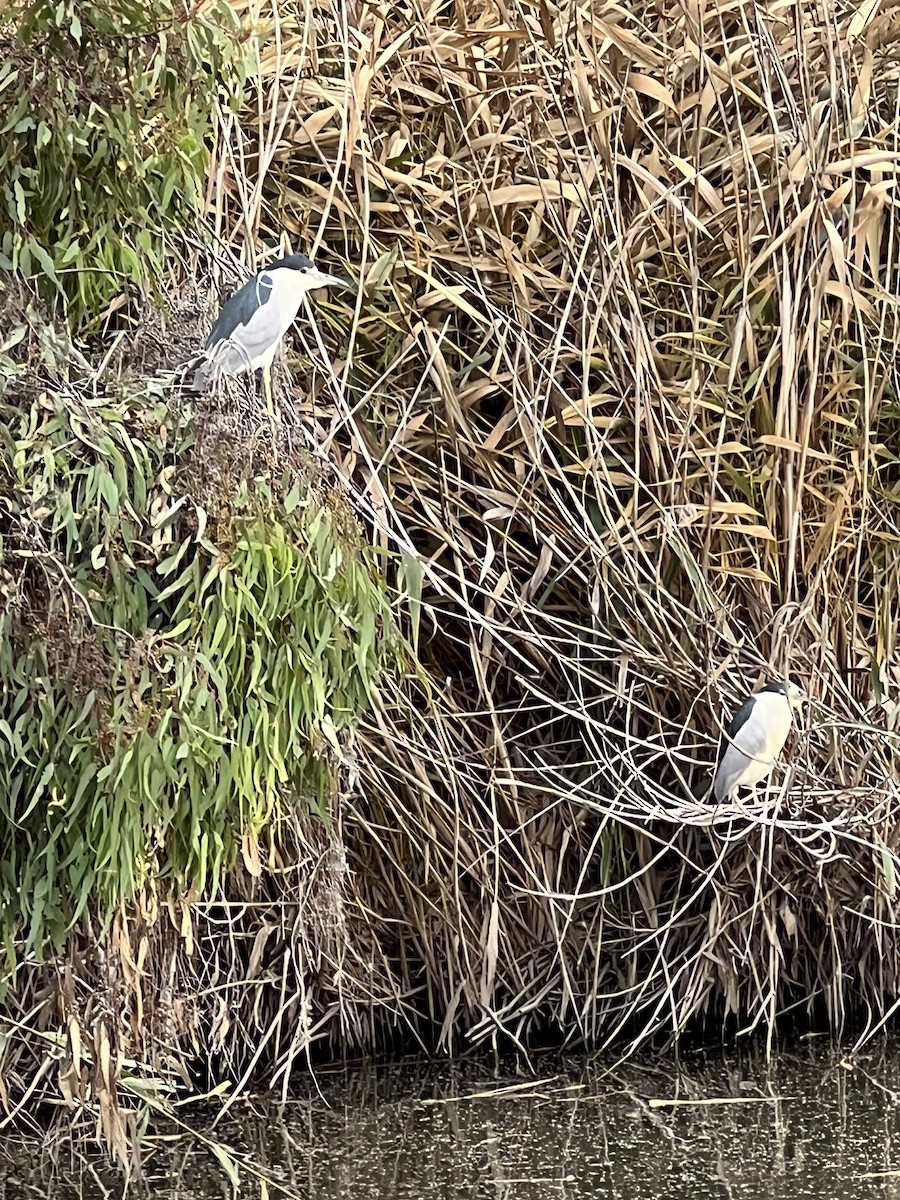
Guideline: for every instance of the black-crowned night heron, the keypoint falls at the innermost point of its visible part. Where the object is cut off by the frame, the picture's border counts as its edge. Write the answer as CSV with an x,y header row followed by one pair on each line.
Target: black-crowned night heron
x,y
253,321
755,738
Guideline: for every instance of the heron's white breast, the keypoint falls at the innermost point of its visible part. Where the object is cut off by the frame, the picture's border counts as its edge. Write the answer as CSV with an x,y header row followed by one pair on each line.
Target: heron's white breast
x,y
288,290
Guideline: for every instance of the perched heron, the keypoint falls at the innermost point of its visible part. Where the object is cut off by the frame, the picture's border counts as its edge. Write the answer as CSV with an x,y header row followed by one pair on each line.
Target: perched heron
x,y
755,738
253,321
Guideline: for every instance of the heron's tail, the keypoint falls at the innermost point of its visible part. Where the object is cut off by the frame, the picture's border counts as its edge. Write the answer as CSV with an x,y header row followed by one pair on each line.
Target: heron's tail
x,y
201,375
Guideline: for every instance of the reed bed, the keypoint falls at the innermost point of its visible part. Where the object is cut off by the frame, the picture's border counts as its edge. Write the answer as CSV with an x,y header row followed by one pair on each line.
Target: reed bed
x,y
616,399
618,392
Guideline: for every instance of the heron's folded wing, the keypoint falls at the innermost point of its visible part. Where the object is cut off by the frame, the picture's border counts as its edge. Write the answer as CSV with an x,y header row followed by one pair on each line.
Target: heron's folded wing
x,y
732,765
737,722
243,310
754,737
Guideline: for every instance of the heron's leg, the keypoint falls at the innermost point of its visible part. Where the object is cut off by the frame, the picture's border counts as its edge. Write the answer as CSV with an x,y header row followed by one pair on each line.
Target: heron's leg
x,y
267,388
271,411
744,803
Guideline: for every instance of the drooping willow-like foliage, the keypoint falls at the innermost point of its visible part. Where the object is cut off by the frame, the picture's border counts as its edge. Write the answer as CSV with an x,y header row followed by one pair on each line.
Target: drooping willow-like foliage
x,y
104,110
181,647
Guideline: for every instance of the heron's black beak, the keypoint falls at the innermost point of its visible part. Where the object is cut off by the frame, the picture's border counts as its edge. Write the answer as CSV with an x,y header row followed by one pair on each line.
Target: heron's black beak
x,y
318,279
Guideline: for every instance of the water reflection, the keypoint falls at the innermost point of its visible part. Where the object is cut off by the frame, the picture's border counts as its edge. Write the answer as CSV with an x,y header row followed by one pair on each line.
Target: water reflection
x,y
810,1124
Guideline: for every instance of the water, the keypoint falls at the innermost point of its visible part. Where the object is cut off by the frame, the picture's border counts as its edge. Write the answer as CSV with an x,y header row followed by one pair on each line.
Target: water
x,y
810,1124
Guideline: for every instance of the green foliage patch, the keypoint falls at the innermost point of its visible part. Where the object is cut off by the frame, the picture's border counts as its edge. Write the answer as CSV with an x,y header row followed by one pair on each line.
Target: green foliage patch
x,y
171,675
105,106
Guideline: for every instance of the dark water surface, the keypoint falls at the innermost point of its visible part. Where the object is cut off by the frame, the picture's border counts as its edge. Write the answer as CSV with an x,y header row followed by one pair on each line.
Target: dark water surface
x,y
812,1123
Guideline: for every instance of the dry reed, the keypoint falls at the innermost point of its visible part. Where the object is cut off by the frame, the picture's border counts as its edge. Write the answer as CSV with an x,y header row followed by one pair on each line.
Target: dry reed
x,y
618,390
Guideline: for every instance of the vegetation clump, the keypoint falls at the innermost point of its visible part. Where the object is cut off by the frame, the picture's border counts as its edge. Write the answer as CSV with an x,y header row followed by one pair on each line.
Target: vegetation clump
x,y
105,109
619,388
164,696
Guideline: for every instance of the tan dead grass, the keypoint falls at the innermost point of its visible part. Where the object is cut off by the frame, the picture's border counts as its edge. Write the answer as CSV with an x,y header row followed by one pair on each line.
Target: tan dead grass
x,y
619,380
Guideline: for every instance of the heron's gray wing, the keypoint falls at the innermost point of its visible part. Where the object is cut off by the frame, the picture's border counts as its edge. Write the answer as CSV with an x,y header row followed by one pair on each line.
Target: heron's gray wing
x,y
731,767
244,305
738,721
